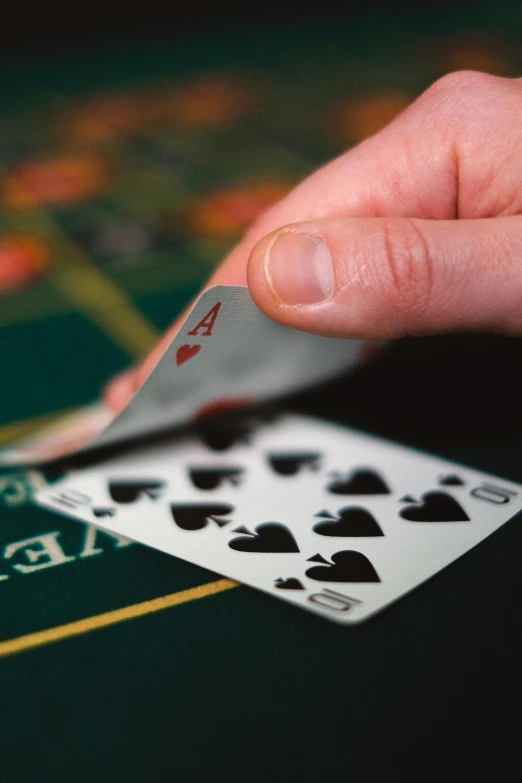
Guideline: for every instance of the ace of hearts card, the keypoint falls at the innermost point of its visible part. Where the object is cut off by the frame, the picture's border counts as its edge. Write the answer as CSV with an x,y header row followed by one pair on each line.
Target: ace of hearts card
x,y
226,354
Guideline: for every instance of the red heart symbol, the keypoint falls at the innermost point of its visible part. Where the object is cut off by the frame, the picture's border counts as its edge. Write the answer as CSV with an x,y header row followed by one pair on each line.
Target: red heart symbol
x,y
186,352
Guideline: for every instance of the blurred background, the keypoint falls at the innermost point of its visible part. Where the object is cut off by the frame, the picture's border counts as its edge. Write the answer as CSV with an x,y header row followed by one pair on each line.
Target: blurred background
x,y
31,25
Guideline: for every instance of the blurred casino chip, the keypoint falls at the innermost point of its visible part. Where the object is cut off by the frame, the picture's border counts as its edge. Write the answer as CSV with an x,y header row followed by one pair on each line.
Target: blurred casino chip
x,y
228,212
54,181
361,116
22,260
212,100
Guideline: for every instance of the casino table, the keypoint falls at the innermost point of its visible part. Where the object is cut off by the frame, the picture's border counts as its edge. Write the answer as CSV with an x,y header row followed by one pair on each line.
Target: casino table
x,y
128,171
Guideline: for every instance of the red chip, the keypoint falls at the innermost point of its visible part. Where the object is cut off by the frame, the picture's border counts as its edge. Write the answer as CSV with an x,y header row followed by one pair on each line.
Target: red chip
x,y
221,406
22,259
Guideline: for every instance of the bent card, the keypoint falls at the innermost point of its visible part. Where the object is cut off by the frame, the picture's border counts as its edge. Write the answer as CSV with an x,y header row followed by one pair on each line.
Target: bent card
x,y
226,354
322,516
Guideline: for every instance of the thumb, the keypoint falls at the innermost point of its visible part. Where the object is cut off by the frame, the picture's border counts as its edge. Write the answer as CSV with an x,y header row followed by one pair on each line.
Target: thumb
x,y
379,278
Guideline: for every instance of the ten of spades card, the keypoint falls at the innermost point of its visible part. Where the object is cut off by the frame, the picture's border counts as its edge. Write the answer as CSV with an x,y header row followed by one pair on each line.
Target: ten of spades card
x,y
322,516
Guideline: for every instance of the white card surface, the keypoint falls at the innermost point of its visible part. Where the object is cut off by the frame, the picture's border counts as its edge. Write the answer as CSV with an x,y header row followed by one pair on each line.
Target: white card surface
x,y
227,353
322,516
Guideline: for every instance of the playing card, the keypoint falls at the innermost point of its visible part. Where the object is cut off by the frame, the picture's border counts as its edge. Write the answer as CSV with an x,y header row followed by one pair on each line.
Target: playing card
x,y
330,519
226,354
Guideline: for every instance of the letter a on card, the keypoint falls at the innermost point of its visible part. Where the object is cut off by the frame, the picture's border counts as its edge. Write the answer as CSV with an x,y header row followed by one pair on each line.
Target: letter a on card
x,y
207,323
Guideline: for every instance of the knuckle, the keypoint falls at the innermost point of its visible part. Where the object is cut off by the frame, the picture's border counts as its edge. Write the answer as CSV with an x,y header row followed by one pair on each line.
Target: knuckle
x,y
408,267
453,98
462,83
448,105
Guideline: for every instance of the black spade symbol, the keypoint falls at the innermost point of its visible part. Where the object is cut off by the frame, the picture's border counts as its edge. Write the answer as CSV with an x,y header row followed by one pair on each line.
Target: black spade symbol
x,y
288,464
436,507
289,584
195,516
361,482
451,481
348,566
221,434
129,491
269,537
104,512
352,521
211,478
52,473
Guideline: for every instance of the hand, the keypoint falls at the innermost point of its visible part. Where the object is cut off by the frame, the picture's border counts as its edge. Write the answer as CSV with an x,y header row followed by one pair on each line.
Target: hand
x,y
417,230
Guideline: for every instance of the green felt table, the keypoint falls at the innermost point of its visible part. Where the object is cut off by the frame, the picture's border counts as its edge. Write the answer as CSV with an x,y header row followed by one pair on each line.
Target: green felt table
x,y
118,662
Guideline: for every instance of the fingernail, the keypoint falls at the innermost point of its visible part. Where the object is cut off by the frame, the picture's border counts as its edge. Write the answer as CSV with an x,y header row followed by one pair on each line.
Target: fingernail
x,y
299,269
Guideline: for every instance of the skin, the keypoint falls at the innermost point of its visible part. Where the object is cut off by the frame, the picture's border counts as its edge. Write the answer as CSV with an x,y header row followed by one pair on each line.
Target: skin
x,y
422,223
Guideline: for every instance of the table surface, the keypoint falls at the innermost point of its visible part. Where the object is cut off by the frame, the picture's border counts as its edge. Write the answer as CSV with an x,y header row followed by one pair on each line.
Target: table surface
x,y
127,173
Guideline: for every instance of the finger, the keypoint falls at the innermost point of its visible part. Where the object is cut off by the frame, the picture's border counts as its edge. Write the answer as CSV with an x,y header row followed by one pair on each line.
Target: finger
x,y
410,168
119,390
380,278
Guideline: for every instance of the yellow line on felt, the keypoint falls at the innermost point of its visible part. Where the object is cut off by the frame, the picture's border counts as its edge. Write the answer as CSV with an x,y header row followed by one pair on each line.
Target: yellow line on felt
x,y
93,294
84,286
60,632
17,429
